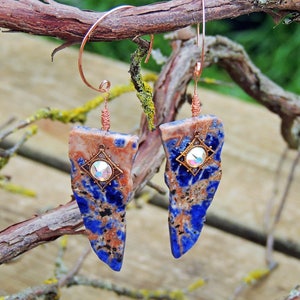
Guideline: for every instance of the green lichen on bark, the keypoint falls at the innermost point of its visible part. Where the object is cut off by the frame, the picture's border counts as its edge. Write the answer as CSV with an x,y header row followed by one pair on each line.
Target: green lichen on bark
x,y
143,89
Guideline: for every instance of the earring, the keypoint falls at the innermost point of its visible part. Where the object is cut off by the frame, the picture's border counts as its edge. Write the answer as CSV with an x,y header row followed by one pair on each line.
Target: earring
x,y
101,163
193,168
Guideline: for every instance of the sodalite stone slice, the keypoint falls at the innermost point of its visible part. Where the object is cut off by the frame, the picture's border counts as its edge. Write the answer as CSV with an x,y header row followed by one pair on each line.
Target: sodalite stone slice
x,y
102,205
191,190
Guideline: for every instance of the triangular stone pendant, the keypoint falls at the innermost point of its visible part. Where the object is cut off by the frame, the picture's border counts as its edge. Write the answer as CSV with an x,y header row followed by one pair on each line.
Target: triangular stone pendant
x,y
101,163
193,172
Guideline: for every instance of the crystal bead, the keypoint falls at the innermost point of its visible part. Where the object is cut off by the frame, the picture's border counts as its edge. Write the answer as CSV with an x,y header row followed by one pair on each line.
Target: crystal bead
x,y
195,157
101,170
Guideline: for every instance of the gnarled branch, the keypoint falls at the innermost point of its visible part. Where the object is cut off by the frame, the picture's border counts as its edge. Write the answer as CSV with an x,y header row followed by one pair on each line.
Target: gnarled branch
x,y
26,235
49,18
233,58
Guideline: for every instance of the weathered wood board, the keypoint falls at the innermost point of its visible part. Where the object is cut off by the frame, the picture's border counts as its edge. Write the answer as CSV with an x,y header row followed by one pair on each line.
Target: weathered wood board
x,y
219,258
253,145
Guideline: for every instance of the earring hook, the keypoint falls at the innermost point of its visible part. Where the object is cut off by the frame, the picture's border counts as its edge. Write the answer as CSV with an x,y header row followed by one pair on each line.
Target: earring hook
x,y
196,105
104,86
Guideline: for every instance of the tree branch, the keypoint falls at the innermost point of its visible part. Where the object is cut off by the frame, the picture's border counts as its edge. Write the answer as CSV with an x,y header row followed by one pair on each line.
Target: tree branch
x,y
49,18
170,93
233,58
28,234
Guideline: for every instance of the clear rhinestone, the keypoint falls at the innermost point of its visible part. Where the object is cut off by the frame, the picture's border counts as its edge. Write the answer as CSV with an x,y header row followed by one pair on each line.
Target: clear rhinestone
x,y
101,170
195,157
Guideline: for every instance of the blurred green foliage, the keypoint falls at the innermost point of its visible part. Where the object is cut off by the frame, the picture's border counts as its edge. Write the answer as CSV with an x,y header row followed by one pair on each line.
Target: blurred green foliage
x,y
274,49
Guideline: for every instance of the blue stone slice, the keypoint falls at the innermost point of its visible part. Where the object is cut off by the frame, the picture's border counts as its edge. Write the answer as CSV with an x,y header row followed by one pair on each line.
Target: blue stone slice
x,y
102,202
191,188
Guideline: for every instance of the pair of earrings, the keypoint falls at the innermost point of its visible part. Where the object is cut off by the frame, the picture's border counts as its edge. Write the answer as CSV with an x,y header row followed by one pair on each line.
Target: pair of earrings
x,y
101,163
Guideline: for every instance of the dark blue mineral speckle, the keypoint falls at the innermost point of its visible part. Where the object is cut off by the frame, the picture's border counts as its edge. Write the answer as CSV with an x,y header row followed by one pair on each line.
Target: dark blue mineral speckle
x,y
120,143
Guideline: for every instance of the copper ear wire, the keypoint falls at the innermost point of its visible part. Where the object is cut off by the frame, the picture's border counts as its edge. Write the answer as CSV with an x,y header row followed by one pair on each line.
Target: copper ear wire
x,y
104,86
196,105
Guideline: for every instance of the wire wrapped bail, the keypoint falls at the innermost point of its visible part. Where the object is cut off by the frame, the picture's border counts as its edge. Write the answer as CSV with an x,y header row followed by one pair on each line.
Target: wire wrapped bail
x,y
196,104
104,87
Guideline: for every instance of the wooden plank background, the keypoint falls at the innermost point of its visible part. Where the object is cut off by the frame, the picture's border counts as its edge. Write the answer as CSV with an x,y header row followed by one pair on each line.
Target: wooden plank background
x,y
30,81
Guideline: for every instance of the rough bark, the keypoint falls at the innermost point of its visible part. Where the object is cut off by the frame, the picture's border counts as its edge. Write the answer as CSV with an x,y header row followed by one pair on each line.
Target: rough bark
x,y
23,236
233,58
70,24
